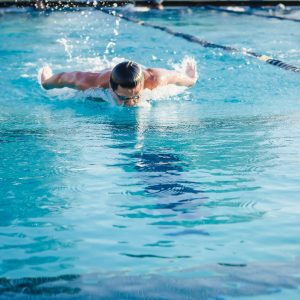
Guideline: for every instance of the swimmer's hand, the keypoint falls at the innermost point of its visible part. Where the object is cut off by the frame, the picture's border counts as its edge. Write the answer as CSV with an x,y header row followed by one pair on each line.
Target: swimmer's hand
x,y
45,75
191,71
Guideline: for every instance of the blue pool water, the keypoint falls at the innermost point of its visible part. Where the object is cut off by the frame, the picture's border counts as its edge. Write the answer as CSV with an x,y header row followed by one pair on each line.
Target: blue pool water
x,y
195,196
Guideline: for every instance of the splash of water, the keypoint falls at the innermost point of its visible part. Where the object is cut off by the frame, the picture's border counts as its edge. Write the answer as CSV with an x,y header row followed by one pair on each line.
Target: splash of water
x,y
182,66
111,45
97,64
67,46
171,90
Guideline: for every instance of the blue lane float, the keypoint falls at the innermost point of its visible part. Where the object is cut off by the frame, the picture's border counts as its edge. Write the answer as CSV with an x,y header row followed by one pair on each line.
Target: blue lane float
x,y
206,44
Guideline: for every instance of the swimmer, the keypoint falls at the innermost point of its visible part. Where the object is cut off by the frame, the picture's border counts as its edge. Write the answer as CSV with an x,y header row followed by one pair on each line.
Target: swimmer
x,y
156,4
125,81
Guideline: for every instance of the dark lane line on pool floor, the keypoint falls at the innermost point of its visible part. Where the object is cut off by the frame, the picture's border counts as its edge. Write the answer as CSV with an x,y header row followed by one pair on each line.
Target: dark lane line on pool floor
x,y
221,9
206,44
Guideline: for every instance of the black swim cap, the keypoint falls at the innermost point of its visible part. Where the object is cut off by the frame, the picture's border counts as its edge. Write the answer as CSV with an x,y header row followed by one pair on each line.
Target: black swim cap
x,y
127,74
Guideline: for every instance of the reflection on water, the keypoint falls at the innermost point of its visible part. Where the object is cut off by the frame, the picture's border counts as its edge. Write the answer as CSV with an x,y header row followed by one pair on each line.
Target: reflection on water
x,y
198,283
136,192
38,286
185,173
195,195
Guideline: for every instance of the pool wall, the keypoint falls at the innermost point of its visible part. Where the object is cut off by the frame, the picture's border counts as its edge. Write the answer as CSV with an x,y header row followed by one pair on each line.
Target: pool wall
x,y
53,3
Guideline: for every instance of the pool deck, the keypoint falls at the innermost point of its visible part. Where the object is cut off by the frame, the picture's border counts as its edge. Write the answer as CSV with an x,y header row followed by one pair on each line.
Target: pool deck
x,y
252,3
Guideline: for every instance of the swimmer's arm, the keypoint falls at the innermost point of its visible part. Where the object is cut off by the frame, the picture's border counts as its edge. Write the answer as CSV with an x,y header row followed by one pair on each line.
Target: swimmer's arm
x,y
164,77
75,80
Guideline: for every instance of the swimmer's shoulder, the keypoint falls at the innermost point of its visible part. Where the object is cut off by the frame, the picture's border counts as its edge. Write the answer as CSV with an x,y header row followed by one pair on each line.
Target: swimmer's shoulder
x,y
152,78
103,78
90,80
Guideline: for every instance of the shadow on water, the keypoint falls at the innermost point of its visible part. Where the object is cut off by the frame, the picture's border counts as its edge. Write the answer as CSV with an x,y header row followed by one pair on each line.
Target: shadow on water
x,y
207,282
162,157
159,170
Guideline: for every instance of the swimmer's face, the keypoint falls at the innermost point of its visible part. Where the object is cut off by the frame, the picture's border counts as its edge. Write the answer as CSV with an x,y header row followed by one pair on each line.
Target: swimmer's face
x,y
129,97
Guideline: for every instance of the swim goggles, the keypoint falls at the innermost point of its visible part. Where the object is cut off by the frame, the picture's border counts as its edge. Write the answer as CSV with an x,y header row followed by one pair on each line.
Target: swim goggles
x,y
124,98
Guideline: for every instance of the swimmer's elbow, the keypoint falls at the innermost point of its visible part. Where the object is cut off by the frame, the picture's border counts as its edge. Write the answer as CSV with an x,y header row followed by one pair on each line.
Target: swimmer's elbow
x,y
191,83
181,80
55,81
45,85
185,82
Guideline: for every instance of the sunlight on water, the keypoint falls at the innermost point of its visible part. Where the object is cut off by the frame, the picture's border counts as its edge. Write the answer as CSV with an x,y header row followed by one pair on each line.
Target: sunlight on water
x,y
193,195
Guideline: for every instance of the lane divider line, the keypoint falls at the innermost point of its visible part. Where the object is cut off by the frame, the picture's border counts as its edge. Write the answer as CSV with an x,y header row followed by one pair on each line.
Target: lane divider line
x,y
206,44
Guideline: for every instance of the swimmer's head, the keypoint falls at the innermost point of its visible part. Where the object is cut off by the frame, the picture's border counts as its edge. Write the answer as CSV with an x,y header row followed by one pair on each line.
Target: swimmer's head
x,y
127,75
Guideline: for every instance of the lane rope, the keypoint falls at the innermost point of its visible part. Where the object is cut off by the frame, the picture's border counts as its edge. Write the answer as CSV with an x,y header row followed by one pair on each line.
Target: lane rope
x,y
211,7
206,44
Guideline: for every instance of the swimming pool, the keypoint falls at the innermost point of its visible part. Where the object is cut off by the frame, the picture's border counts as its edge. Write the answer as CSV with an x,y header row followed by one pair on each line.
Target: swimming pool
x,y
195,196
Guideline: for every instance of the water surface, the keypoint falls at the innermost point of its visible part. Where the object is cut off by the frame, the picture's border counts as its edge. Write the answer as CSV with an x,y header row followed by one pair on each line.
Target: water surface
x,y
195,196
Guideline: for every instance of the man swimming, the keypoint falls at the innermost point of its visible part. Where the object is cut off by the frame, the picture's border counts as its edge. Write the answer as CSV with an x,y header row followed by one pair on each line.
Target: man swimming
x,y
125,81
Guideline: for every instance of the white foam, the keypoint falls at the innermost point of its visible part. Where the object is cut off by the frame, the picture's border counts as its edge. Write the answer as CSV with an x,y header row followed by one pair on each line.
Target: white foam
x,y
181,67
39,77
163,92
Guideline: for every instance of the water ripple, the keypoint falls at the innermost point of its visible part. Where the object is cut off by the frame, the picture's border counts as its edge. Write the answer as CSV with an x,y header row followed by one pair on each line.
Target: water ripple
x,y
154,256
219,219
188,232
